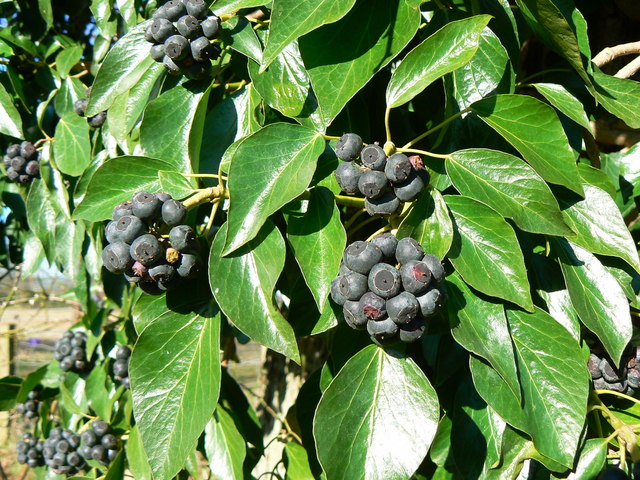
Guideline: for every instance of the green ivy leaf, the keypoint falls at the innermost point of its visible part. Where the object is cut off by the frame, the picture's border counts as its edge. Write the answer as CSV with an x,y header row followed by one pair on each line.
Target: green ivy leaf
x,y
176,184
136,458
72,148
286,86
10,121
375,30
485,252
377,418
599,226
318,239
238,33
67,59
448,49
268,170
291,19
488,72
549,23
429,223
251,274
225,446
619,96
555,383
296,462
476,432
596,295
481,327
41,216
509,186
122,68
534,129
126,110
220,7
175,382
565,101
591,460
117,180
171,129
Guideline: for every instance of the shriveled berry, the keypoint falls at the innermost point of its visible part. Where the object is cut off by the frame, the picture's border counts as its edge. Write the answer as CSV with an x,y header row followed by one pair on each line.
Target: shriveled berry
x,y
97,120
373,306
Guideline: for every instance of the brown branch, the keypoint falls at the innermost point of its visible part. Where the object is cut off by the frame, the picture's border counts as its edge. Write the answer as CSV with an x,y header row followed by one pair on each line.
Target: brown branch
x,y
611,53
609,135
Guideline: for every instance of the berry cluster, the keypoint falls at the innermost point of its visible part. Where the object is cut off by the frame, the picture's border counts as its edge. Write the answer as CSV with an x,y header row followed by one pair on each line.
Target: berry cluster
x,y
391,303
70,351
99,444
22,162
385,182
181,32
138,249
61,451
121,365
30,409
606,376
80,107
29,451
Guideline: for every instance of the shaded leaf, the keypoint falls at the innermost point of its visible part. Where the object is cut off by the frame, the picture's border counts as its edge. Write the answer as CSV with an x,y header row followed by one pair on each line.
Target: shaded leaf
x,y
72,148
563,100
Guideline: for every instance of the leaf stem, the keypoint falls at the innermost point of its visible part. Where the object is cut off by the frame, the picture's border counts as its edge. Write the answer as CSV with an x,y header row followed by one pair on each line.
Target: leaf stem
x,y
387,127
437,127
386,228
329,137
203,175
617,394
422,152
361,225
205,196
349,201
353,218
543,72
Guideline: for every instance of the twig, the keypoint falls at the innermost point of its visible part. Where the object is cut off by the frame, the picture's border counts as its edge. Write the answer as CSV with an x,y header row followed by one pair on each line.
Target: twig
x,y
629,69
610,135
611,53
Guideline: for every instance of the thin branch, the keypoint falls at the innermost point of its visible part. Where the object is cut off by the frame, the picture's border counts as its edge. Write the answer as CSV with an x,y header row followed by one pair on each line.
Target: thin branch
x,y
629,69
611,53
